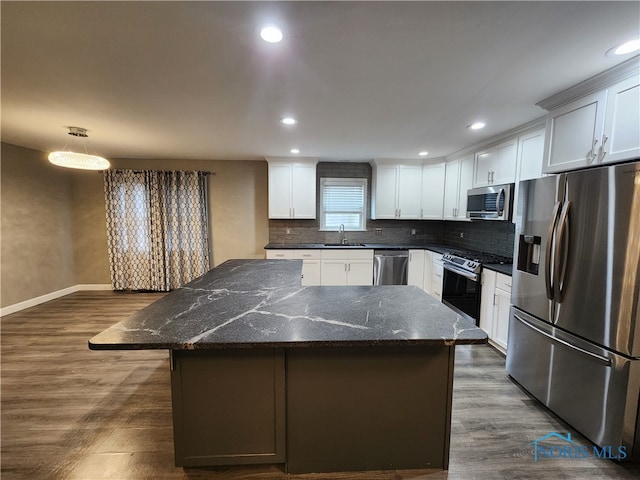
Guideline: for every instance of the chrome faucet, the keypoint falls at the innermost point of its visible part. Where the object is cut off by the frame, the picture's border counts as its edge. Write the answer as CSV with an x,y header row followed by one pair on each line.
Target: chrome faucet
x,y
343,239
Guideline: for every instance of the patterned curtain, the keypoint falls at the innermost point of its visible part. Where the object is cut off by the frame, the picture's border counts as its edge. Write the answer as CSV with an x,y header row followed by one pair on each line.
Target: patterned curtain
x,y
156,228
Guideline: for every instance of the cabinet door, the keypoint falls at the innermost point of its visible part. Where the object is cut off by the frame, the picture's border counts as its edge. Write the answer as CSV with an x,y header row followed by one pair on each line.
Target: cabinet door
x,y
530,155
505,161
436,276
484,165
409,189
334,272
622,122
486,300
360,272
432,201
428,272
573,133
466,181
280,190
386,195
451,184
501,318
310,273
303,191
415,273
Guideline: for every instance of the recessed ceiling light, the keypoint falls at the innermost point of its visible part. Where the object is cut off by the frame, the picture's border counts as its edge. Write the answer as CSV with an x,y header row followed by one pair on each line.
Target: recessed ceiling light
x,y
288,121
271,34
423,154
476,126
295,150
627,47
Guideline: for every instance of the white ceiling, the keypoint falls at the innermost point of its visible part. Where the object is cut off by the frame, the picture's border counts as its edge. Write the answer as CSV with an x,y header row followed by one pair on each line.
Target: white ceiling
x,y
193,80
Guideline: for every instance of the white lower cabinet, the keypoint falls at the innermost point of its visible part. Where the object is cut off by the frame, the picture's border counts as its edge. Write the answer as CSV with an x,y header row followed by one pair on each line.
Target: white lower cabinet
x,y
346,267
436,275
495,302
310,263
428,272
415,269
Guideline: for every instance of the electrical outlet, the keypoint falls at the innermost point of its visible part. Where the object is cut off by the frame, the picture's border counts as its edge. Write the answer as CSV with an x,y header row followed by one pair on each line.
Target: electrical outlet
x,y
378,231
461,234
413,231
288,231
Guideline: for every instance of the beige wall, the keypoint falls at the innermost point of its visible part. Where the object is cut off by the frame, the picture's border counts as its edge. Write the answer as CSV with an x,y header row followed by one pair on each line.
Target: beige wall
x,y
89,228
238,202
35,226
53,220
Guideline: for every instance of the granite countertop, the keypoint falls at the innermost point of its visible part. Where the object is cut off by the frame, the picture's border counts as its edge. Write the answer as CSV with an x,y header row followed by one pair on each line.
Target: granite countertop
x,y
505,268
371,246
260,303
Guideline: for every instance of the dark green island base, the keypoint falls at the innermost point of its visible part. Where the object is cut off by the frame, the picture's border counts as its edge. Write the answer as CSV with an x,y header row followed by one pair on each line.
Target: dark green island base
x,y
320,379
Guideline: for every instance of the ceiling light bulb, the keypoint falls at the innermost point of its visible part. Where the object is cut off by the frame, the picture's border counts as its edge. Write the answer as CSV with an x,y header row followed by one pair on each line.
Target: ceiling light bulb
x,y
423,154
289,121
476,126
295,150
627,47
271,34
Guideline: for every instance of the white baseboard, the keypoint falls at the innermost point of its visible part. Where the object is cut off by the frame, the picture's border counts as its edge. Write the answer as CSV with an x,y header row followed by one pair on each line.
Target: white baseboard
x,y
32,302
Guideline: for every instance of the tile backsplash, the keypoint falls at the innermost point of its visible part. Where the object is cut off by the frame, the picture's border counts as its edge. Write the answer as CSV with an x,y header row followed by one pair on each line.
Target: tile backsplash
x,y
483,236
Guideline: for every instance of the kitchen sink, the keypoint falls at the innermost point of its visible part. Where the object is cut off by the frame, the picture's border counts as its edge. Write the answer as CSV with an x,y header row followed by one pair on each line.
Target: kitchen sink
x,y
344,245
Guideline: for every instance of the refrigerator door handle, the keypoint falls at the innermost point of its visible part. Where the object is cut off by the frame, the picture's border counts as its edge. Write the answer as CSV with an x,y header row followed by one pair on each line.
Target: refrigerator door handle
x,y
561,253
548,257
604,360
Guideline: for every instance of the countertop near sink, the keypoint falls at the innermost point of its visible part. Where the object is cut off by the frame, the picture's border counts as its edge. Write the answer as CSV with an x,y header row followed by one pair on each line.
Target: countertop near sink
x,y
372,246
504,268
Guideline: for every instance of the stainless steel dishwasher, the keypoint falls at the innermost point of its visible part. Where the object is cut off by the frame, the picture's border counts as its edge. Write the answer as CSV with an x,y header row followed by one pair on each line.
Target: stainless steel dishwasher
x,y
390,267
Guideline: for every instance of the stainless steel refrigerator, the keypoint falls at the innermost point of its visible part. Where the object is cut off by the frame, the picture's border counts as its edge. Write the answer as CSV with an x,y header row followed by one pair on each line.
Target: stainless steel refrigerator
x,y
574,331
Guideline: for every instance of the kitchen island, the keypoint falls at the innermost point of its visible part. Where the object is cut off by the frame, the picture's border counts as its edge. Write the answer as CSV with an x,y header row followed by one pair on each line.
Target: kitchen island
x,y
317,378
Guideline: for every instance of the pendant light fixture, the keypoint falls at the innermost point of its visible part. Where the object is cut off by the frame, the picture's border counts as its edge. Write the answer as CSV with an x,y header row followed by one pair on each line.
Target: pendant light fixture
x,y
83,161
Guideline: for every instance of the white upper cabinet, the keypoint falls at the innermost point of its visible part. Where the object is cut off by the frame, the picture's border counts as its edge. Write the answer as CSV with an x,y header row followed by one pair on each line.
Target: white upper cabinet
x,y
396,190
594,122
496,165
621,138
433,191
292,188
573,133
530,155
458,179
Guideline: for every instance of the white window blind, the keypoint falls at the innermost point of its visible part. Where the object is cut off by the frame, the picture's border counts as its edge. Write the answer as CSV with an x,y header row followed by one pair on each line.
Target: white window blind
x,y
344,202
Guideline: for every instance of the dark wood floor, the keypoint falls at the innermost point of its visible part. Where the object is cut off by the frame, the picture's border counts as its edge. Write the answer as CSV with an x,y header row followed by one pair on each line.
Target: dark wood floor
x,y
72,413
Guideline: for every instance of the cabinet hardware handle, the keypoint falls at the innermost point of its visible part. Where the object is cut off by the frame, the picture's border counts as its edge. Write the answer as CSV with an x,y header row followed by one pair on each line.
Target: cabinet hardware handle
x,y
592,155
602,152
399,212
294,212
488,177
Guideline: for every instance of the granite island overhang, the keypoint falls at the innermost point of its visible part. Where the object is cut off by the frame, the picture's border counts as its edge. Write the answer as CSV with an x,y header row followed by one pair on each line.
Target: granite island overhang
x,y
317,378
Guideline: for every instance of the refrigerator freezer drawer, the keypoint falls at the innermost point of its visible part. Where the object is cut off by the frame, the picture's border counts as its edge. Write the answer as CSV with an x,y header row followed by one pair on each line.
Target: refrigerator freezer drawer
x,y
592,389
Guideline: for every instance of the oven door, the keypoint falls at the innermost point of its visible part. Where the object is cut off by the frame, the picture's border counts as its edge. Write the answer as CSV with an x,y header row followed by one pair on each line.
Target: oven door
x,y
461,291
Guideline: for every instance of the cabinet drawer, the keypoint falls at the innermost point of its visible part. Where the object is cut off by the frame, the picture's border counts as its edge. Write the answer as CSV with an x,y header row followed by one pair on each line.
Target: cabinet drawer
x,y
279,254
346,254
307,254
437,271
503,282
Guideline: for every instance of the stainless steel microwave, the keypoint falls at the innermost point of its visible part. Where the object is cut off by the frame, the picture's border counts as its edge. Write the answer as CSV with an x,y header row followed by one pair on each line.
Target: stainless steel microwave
x,y
494,202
